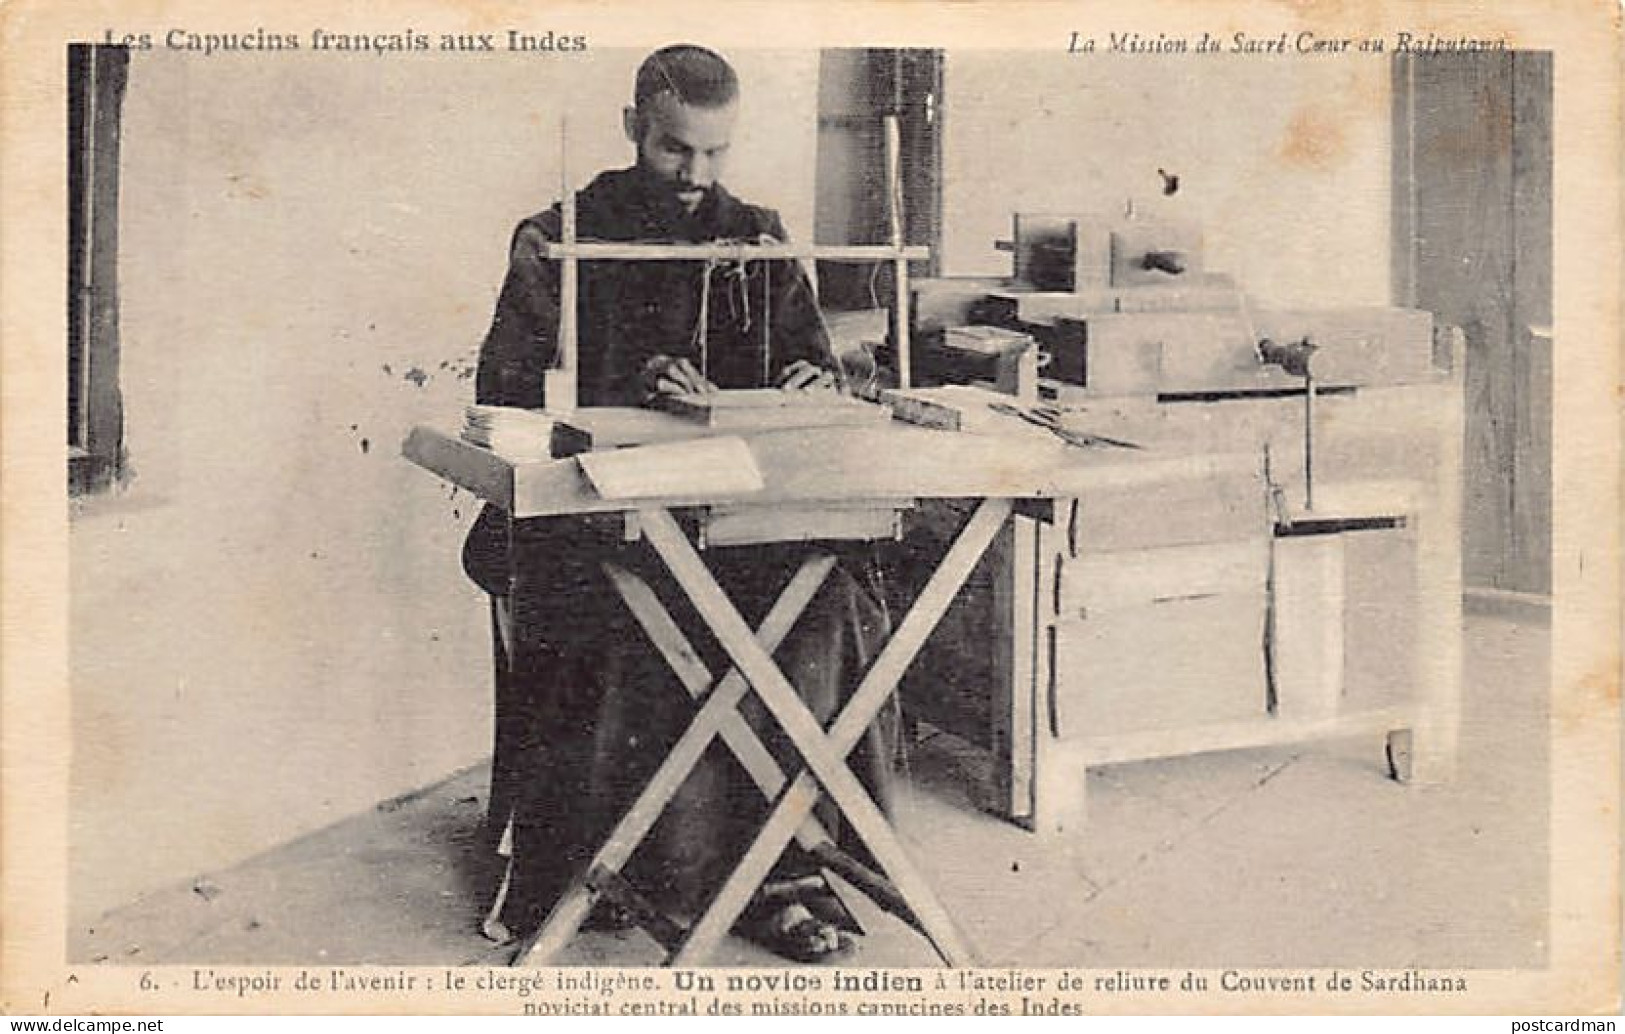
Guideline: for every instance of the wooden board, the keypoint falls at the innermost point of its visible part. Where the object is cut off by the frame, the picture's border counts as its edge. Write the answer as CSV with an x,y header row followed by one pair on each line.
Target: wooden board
x,y
1151,353
1206,292
1014,308
952,407
639,251
1061,252
614,427
470,467
747,525
1133,239
721,467
1164,665
763,409
1214,351
891,461
1361,345
1253,731
1161,638
1310,608
924,407
1223,507
1102,582
1383,638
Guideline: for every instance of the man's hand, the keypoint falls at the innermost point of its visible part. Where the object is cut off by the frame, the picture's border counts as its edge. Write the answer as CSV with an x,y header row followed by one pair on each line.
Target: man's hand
x,y
664,375
804,375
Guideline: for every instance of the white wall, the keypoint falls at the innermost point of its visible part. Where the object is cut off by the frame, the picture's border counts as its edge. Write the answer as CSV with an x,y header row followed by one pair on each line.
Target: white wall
x,y
270,627
1284,162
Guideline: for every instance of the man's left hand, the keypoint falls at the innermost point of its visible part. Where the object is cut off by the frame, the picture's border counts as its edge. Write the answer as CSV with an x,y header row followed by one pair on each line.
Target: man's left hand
x,y
802,375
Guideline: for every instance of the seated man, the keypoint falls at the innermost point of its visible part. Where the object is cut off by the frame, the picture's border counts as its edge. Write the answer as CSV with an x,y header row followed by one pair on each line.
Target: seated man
x,y
591,707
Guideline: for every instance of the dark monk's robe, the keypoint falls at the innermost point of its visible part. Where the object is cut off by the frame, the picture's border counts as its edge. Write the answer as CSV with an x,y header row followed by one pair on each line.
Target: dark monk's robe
x,y
593,708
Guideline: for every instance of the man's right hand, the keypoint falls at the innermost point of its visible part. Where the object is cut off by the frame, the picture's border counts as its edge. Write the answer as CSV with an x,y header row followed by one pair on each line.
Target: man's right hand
x,y
664,375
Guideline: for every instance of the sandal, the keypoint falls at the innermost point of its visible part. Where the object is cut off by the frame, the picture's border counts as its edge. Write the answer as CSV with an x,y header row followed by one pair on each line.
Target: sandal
x,y
827,907
790,928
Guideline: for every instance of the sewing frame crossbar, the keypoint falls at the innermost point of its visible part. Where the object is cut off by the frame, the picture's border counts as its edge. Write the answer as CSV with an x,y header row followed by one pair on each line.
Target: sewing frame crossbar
x,y
571,251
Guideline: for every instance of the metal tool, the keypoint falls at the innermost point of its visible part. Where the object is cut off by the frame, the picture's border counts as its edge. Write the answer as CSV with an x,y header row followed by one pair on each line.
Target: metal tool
x,y
1048,419
1294,357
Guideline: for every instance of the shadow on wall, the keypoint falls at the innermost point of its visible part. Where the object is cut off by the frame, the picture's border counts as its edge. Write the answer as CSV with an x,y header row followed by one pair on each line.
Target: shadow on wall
x,y
270,627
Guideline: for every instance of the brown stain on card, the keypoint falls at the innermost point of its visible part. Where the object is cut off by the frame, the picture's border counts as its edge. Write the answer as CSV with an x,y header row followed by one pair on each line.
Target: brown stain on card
x,y
1604,684
1591,697
1314,139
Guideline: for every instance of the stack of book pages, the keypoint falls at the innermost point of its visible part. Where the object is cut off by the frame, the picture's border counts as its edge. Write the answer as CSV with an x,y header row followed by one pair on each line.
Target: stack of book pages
x,y
516,434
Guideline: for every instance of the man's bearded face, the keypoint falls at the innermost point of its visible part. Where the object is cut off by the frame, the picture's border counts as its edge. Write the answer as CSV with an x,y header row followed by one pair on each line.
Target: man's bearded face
x,y
682,145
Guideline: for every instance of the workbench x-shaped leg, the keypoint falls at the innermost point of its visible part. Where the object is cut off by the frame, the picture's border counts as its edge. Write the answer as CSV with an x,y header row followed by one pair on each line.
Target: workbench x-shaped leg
x,y
825,755
717,715
752,656
737,733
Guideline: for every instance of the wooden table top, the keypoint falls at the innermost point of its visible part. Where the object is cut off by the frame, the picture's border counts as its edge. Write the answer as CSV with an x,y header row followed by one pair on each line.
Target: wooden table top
x,y
883,463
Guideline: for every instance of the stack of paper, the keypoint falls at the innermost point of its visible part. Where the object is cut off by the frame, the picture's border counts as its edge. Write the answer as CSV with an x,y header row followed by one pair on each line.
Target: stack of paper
x,y
518,434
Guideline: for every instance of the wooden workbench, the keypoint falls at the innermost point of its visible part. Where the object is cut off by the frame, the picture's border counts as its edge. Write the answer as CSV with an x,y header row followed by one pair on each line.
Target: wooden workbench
x,y
1108,649
1023,479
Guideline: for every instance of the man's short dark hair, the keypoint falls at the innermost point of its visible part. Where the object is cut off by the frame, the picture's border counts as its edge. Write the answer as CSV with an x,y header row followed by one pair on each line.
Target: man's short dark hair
x,y
696,76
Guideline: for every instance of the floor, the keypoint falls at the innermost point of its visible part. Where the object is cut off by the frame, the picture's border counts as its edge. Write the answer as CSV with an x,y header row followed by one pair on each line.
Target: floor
x,y
1305,857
